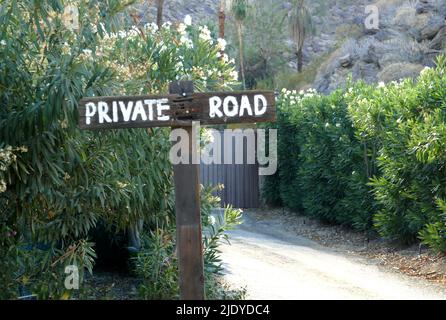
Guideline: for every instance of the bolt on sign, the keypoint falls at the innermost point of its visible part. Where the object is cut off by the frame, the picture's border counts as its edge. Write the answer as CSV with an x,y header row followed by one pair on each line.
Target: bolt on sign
x,y
179,109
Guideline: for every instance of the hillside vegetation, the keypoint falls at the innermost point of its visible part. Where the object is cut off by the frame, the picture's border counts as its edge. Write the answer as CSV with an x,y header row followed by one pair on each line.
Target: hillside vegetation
x,y
410,36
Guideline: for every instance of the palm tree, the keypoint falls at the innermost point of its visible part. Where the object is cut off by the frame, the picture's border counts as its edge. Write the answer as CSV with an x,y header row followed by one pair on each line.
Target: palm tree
x,y
159,12
301,26
221,19
239,9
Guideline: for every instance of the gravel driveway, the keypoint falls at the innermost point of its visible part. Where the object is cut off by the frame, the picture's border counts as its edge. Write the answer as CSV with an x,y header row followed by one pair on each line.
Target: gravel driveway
x,y
274,263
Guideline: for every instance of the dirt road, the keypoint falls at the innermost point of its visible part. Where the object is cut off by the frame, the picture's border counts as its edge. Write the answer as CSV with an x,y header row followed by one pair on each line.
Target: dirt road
x,y
273,263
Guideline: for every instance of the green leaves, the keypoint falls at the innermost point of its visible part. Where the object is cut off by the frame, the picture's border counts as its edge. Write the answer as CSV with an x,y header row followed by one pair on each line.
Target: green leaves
x,y
68,180
369,152
322,170
239,9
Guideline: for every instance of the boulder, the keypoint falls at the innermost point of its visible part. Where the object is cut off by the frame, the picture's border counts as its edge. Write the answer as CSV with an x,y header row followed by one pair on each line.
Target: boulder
x,y
431,30
368,55
346,61
370,31
439,42
429,58
365,71
424,6
397,71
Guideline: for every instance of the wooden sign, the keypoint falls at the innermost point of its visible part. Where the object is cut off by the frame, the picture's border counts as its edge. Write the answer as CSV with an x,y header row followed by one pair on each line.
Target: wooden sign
x,y
179,109
175,110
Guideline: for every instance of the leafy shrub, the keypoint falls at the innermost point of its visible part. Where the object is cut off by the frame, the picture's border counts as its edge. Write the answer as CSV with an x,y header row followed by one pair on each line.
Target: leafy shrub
x,y
389,140
411,131
158,266
321,162
67,181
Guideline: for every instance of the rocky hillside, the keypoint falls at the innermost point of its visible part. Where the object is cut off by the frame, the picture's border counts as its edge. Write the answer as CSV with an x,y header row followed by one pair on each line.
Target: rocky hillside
x,y
410,34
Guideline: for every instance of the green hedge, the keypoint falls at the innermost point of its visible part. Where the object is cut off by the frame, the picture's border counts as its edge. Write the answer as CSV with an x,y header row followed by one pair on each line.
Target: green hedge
x,y
370,157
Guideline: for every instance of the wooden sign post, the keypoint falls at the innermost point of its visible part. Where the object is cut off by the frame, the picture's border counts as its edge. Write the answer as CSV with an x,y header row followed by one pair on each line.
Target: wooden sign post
x,y
179,109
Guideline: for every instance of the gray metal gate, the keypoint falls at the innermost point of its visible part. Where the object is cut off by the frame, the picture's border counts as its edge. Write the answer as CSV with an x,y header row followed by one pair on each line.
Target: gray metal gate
x,y
241,181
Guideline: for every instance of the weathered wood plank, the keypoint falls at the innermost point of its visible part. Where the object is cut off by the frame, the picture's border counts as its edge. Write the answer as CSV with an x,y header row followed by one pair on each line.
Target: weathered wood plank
x,y
174,110
188,219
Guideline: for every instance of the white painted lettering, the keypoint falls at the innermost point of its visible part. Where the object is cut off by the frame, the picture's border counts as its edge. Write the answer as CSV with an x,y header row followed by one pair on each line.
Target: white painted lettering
x,y
103,112
245,105
230,106
257,99
214,107
126,110
139,111
162,106
90,111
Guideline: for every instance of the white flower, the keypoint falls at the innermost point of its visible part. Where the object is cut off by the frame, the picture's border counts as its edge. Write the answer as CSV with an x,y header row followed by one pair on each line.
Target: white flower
x,y
86,55
426,69
212,220
225,58
179,65
184,39
122,185
181,28
152,27
381,84
134,32
66,49
3,43
187,42
234,75
166,25
221,44
284,90
188,20
205,33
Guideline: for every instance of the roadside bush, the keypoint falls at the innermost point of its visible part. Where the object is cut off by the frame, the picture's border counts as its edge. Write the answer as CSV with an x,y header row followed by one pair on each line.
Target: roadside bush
x,y
62,181
327,174
369,156
157,263
411,131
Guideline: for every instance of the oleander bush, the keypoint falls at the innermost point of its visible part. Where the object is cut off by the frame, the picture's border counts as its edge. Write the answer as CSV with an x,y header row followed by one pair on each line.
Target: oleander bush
x,y
157,264
321,163
56,182
371,157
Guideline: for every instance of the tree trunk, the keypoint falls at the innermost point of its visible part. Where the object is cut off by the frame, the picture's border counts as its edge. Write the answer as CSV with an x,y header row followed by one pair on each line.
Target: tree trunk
x,y
159,13
134,234
221,20
300,60
242,59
